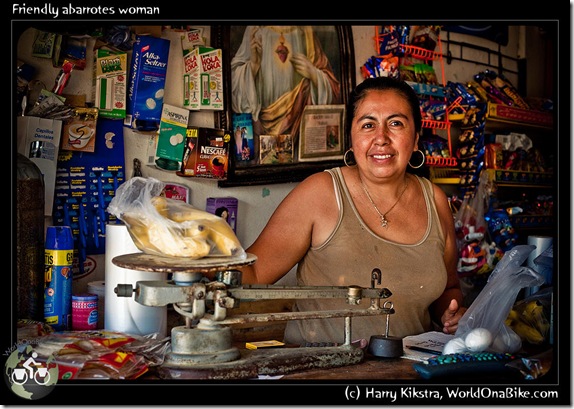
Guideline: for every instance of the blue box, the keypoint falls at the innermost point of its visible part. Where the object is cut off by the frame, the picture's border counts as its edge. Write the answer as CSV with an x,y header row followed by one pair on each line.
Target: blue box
x,y
148,70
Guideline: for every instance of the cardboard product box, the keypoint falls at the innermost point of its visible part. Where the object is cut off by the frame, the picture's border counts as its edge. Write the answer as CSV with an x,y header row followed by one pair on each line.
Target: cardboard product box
x,y
171,137
79,133
191,87
225,207
39,140
147,83
203,78
176,191
206,153
110,82
211,78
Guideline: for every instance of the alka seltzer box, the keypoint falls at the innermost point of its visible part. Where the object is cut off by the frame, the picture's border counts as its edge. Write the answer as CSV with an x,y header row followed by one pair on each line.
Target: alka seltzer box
x,y
206,153
110,83
224,207
171,137
147,82
203,78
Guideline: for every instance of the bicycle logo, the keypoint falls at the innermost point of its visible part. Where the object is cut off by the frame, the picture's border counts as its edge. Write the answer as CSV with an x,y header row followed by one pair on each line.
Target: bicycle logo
x,y
31,370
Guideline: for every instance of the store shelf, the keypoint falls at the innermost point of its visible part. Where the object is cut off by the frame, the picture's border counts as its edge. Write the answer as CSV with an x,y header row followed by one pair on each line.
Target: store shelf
x,y
420,53
531,221
517,178
431,90
519,116
444,176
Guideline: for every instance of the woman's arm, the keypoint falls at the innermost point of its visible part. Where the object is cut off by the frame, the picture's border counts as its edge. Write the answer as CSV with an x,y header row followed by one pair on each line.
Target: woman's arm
x,y
289,232
444,310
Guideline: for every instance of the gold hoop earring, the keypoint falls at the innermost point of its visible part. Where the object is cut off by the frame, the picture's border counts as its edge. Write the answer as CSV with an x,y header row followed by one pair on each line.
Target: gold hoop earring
x,y
422,162
352,162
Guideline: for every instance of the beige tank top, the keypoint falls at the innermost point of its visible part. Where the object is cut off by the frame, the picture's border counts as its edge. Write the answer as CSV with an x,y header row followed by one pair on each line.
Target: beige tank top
x,y
414,273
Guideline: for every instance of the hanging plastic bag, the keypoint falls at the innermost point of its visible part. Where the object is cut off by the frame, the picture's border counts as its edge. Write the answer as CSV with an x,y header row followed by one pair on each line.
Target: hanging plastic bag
x,y
168,227
470,227
483,327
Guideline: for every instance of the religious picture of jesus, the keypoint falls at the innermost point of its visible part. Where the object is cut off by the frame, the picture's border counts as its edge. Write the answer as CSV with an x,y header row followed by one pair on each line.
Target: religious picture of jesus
x,y
278,70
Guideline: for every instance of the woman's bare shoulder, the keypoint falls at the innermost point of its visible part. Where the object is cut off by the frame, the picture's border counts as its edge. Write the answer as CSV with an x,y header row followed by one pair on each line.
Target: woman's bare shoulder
x,y
316,184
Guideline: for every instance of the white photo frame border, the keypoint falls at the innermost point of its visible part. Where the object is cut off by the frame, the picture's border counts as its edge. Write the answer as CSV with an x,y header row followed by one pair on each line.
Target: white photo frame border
x,y
315,117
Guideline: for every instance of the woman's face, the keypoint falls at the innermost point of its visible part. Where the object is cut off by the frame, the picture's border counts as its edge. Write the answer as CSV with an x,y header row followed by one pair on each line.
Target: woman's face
x,y
383,133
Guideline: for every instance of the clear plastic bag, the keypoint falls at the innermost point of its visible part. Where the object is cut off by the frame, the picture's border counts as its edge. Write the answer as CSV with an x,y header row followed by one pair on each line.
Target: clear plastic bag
x,y
470,227
168,227
483,327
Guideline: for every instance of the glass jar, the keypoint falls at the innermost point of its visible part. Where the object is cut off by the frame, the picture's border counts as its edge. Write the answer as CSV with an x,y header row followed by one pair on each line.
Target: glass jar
x,y
29,240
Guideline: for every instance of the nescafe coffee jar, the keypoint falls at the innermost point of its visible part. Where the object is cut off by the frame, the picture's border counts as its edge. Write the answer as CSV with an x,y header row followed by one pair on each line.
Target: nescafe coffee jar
x,y
29,240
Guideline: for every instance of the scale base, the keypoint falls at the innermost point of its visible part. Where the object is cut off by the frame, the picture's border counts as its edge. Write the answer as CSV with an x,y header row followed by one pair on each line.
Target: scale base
x,y
275,361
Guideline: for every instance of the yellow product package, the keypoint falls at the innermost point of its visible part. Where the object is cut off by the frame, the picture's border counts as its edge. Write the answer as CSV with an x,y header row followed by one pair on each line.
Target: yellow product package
x,y
168,227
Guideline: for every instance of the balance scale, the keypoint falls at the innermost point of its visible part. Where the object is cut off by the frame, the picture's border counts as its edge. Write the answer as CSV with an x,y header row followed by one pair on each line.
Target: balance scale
x,y
203,347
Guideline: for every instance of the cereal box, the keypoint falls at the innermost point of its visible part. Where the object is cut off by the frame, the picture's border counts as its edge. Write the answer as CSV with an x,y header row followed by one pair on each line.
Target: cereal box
x,y
206,153
147,82
110,83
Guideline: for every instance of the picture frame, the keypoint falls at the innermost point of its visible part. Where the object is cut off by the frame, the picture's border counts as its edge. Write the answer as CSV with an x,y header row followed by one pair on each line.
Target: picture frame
x,y
322,133
336,45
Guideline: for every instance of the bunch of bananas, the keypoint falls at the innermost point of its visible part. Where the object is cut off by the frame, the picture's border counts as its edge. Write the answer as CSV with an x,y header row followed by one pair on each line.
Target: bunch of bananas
x,y
180,230
529,321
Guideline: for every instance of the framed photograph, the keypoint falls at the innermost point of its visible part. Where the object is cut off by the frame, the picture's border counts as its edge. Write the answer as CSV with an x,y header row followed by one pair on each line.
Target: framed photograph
x,y
321,134
271,75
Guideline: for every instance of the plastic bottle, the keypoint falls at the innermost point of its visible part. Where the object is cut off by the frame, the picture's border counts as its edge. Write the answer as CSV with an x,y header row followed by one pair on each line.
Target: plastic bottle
x,y
29,240
59,258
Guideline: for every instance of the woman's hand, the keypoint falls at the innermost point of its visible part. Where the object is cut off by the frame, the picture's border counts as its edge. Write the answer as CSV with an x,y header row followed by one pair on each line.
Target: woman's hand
x,y
451,317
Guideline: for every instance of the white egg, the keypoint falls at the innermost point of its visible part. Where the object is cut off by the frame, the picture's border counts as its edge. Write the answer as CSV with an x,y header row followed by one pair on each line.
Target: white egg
x,y
478,339
507,341
454,346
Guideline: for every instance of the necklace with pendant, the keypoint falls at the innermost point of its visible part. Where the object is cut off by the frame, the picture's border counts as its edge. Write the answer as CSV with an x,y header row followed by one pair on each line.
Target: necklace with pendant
x,y
383,216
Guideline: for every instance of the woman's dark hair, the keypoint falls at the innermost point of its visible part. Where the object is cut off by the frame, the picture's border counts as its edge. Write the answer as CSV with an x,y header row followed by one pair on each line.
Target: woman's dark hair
x,y
219,211
382,84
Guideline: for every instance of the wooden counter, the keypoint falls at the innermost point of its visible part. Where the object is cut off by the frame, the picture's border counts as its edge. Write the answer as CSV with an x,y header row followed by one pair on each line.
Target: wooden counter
x,y
370,368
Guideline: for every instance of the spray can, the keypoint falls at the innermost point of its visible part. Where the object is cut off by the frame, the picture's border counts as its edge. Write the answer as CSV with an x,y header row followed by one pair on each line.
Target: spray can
x,y
58,263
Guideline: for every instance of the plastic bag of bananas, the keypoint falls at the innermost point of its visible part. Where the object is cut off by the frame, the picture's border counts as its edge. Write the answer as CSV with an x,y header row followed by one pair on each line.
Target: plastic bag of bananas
x,y
168,227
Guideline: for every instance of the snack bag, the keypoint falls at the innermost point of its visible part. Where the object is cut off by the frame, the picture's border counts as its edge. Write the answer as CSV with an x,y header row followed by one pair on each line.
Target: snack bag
x,y
168,227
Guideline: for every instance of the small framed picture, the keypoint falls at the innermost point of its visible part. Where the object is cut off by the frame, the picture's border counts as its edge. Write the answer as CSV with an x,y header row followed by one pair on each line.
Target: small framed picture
x,y
322,133
275,149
